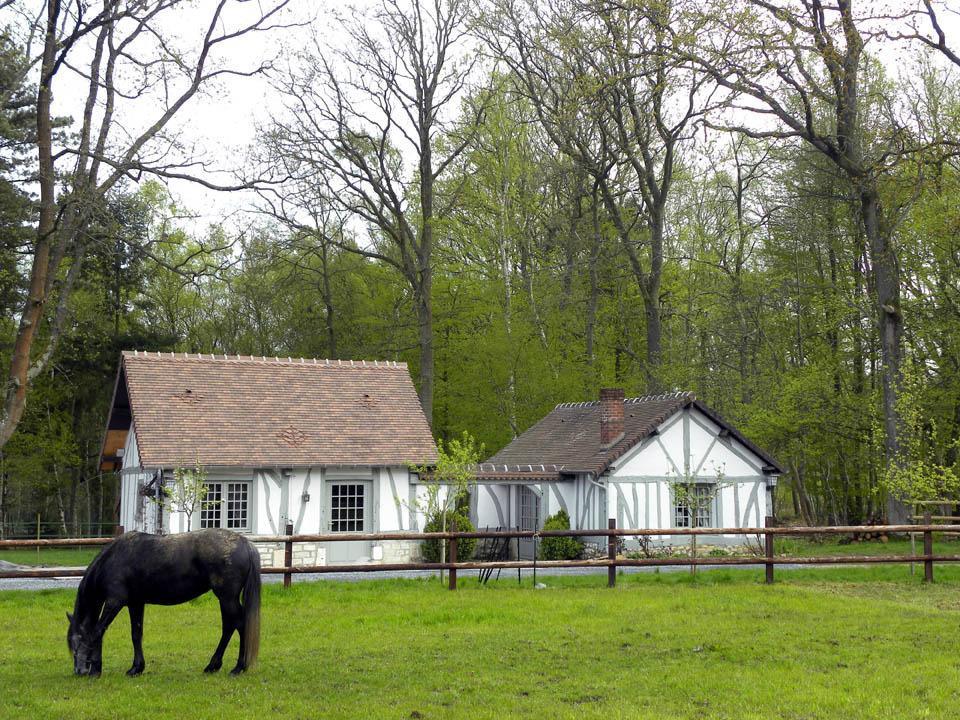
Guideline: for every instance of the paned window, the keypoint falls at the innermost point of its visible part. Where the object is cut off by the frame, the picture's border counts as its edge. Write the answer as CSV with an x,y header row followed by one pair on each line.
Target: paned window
x,y
210,512
226,505
347,504
695,510
237,499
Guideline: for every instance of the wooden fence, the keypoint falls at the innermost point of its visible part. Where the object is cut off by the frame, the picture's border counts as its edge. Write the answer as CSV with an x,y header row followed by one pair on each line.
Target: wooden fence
x,y
612,561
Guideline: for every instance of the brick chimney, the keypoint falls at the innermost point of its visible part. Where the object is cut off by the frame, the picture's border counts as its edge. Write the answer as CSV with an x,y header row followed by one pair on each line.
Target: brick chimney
x,y
611,415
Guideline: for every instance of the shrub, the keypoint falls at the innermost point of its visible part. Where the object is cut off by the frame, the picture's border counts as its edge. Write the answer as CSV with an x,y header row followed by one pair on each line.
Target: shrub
x,y
560,548
430,549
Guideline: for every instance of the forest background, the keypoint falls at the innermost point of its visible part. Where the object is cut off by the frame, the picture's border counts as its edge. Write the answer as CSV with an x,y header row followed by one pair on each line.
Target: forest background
x,y
526,201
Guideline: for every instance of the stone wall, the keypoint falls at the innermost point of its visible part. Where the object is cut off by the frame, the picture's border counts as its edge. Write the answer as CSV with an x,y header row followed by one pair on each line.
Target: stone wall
x,y
271,554
400,551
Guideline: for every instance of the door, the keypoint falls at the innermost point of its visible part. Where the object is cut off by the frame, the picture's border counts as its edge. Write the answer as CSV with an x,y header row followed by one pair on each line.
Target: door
x,y
528,518
349,510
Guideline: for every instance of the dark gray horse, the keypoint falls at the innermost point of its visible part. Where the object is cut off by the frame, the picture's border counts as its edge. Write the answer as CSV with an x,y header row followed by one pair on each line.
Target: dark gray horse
x,y
138,569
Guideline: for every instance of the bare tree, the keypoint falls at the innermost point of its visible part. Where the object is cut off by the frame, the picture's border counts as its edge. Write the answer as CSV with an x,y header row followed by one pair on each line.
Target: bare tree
x,y
318,229
925,23
373,121
122,55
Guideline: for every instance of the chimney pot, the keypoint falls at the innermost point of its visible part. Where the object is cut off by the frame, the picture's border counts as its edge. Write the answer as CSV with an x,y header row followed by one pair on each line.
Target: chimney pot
x,y
611,415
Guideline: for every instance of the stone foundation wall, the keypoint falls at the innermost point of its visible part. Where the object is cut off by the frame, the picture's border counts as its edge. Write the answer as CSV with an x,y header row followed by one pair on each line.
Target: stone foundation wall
x,y
400,551
267,552
271,554
394,551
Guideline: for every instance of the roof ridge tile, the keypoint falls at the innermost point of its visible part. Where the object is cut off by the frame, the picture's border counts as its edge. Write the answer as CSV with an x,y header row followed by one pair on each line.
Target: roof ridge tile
x,y
215,357
677,395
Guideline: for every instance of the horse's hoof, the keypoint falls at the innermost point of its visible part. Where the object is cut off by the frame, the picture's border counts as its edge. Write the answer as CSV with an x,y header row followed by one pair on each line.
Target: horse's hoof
x,y
211,669
135,670
237,670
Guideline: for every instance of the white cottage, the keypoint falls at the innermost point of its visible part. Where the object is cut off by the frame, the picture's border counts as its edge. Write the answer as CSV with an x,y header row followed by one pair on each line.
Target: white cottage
x,y
620,458
326,445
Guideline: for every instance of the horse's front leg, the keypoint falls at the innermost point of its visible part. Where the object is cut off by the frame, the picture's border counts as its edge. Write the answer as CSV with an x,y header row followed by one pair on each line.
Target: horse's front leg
x,y
230,615
110,610
136,635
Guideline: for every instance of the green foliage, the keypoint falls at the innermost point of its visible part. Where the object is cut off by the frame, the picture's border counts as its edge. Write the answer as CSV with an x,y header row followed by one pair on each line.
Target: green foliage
x,y
927,468
560,548
431,550
767,302
17,120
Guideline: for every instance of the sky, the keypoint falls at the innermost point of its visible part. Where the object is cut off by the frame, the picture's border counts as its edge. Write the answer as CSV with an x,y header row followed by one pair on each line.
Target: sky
x,y
223,123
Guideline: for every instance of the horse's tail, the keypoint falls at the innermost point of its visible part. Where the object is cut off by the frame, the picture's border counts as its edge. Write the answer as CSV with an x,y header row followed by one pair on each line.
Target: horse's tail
x,y
251,608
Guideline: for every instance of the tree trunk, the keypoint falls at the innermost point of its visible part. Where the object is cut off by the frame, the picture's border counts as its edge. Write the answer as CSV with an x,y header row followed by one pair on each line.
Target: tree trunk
x,y
328,300
890,325
593,300
505,272
15,393
651,297
3,498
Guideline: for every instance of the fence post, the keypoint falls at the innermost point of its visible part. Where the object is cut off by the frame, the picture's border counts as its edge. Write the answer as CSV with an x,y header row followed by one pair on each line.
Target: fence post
x,y
612,553
768,548
288,554
453,555
927,548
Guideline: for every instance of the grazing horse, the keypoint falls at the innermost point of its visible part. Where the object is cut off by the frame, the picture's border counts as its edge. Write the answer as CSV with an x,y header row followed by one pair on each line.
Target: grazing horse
x,y
138,569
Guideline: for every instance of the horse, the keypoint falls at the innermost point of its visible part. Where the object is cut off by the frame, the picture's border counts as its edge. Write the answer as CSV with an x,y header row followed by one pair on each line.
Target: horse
x,y
137,569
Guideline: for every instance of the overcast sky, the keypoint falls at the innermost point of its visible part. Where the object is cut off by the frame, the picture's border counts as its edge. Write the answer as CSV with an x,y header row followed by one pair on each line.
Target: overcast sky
x,y
223,122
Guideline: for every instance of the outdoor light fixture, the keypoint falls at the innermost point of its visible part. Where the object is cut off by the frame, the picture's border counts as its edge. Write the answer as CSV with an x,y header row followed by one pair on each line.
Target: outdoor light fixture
x,y
305,497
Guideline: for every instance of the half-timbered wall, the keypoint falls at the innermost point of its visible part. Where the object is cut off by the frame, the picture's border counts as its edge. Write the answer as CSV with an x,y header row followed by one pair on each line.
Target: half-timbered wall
x,y
297,495
691,446
131,478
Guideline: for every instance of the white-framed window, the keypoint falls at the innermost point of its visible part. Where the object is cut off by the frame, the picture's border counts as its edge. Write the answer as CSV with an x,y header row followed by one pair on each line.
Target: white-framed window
x,y
226,505
529,509
697,510
348,502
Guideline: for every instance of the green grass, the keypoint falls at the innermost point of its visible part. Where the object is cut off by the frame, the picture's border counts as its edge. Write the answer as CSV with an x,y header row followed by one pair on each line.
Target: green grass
x,y
50,556
802,547
821,643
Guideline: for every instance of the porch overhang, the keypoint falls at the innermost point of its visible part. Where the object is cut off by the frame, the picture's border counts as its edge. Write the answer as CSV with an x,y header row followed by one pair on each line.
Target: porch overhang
x,y
497,474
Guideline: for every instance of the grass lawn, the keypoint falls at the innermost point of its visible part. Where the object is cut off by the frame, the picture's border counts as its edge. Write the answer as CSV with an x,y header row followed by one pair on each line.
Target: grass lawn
x,y
51,556
830,545
831,643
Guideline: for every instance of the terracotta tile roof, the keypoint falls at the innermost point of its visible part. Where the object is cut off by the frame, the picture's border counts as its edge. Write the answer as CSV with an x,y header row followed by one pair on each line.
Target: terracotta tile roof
x,y
567,440
243,411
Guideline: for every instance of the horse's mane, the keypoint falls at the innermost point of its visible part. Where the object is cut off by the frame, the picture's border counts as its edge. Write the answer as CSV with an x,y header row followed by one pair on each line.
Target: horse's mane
x,y
90,598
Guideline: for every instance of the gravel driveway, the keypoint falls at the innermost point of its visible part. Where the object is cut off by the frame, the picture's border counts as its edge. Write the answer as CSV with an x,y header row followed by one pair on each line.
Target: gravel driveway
x,y
506,575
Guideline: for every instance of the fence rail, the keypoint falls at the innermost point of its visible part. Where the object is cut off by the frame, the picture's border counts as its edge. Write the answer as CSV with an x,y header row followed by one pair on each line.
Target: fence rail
x,y
612,561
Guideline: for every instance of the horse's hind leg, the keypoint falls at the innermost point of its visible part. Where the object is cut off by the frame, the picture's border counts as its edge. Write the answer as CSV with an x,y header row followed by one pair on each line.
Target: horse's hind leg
x,y
136,634
230,616
241,626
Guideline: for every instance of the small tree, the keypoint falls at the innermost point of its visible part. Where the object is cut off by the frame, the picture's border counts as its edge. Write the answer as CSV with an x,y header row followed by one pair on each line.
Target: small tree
x,y
187,493
447,485
696,497
926,469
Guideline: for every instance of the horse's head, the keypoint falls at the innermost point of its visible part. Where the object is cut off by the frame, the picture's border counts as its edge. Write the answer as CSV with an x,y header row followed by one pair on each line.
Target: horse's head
x,y
85,647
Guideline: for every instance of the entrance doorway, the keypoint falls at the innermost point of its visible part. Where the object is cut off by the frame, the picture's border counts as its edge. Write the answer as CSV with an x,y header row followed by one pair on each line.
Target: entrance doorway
x,y
349,510
528,518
